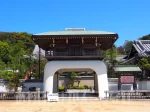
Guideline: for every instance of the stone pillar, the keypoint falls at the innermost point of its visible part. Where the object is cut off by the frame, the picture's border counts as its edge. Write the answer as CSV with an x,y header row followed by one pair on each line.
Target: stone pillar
x,y
55,83
102,85
95,83
38,93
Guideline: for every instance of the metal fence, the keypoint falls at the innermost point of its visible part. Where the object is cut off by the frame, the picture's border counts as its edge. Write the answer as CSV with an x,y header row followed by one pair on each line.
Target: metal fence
x,y
122,94
23,95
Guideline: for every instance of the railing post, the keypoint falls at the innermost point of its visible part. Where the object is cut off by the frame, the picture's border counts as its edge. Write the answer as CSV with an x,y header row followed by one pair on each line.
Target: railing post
x,y
38,93
46,95
106,94
120,94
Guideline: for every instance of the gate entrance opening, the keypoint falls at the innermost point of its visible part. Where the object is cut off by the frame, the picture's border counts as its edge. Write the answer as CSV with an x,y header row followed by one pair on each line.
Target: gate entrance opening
x,y
75,83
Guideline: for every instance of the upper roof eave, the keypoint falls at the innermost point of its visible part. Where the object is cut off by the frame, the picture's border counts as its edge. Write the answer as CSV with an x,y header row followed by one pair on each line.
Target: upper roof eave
x,y
74,33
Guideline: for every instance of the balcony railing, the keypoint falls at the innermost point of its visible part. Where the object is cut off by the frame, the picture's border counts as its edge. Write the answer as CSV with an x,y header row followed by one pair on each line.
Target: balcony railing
x,y
91,54
60,54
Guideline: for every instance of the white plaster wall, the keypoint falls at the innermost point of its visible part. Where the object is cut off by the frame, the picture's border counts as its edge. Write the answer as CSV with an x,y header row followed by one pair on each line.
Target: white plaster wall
x,y
148,85
32,84
98,66
139,87
3,87
127,86
114,86
143,85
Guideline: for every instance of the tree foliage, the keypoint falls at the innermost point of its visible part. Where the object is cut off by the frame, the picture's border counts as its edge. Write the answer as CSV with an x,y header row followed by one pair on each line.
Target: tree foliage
x,y
128,46
146,37
144,63
72,77
14,82
111,53
13,47
120,50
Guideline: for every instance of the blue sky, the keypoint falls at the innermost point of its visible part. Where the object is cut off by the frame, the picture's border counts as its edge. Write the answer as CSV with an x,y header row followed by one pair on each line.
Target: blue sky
x,y
129,18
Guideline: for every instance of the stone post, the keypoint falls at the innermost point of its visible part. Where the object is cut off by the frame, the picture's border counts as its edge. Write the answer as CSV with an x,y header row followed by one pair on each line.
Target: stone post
x,y
38,93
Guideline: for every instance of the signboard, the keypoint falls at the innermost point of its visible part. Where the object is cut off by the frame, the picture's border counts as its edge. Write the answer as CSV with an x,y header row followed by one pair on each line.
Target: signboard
x,y
127,79
52,97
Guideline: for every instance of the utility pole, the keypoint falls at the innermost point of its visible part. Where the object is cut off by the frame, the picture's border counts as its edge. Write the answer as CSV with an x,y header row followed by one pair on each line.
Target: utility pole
x,y
39,62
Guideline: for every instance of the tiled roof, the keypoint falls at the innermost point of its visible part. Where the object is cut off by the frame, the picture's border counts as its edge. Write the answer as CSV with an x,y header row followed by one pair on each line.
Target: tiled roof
x,y
86,32
125,68
128,60
142,47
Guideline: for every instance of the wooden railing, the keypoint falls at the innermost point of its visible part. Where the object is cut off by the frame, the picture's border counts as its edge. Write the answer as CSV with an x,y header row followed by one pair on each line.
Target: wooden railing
x,y
68,54
60,54
23,95
92,54
128,94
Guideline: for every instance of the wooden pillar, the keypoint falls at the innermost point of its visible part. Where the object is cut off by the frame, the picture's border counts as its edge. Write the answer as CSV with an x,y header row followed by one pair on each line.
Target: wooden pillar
x,y
94,82
82,47
53,42
96,42
119,83
66,40
67,47
57,82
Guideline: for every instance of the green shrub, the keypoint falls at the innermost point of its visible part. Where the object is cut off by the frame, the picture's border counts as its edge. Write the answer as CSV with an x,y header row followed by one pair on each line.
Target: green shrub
x,y
89,87
76,87
61,88
81,87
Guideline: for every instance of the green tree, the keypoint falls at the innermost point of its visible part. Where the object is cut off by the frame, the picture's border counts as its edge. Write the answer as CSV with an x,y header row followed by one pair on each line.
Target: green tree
x,y
120,50
128,46
146,37
72,77
111,53
144,63
14,45
14,82
2,68
4,51
35,63
2,65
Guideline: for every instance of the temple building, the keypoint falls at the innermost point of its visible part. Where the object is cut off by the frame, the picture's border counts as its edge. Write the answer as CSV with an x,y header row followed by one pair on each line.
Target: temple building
x,y
140,49
75,49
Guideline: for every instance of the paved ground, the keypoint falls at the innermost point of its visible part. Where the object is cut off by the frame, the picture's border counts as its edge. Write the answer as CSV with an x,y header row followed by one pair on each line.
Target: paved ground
x,y
75,106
